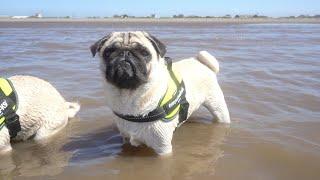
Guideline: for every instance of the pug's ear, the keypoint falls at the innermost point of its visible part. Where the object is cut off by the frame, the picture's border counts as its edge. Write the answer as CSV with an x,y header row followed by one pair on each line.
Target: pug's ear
x,y
97,45
157,44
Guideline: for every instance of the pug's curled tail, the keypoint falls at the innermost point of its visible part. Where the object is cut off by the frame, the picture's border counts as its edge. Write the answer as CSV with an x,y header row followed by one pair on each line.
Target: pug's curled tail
x,y
210,61
73,108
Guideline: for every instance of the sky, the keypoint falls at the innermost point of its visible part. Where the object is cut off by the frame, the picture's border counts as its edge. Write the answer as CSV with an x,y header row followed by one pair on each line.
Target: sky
x,y
162,8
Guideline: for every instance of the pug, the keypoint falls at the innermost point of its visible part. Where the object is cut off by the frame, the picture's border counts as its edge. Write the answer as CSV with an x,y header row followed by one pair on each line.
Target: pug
x,y
151,96
31,108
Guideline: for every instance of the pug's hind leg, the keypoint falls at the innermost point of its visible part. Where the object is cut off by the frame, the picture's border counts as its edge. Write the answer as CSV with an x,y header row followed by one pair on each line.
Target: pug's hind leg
x,y
217,106
51,129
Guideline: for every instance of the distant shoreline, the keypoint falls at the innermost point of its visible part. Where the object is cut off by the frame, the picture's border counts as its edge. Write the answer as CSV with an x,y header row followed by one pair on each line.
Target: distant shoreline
x,y
166,20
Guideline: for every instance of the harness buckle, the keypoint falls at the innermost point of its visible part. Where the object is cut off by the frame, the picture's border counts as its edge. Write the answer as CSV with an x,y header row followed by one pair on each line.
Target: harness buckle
x,y
13,124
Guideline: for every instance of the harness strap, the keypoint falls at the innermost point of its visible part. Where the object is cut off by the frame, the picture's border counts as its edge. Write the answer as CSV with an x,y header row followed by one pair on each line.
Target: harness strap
x,y
181,93
169,67
8,108
154,115
161,112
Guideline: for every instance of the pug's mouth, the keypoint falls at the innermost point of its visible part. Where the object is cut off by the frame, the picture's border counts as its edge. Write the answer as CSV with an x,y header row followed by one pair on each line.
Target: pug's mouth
x,y
125,74
124,69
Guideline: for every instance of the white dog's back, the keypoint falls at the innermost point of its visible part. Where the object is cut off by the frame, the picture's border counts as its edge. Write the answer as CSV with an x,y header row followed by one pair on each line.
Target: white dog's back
x,y
42,110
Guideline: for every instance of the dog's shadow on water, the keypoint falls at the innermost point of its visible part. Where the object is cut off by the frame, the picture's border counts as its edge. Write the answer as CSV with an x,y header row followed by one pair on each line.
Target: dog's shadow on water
x,y
104,142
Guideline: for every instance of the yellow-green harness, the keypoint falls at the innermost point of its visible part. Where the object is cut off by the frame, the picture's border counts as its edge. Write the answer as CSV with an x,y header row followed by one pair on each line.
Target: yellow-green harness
x,y
9,107
172,103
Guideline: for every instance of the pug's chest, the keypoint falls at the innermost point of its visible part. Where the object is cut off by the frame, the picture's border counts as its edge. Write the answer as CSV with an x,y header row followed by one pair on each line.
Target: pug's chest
x,y
150,132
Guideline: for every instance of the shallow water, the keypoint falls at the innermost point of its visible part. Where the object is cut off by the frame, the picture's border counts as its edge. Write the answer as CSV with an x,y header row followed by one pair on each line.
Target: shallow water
x,y
270,75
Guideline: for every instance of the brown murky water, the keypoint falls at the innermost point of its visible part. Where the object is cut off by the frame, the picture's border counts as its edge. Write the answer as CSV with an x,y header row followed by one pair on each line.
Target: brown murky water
x,y
270,74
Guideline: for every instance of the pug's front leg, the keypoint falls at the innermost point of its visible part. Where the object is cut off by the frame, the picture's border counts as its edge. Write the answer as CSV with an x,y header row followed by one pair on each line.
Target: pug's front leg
x,y
5,145
160,141
164,149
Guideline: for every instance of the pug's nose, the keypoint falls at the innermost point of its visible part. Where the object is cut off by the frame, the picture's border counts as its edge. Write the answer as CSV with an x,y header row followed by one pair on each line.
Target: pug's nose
x,y
126,53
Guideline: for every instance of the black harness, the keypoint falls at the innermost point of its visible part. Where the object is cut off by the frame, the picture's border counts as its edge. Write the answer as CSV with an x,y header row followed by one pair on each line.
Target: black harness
x,y
8,108
161,112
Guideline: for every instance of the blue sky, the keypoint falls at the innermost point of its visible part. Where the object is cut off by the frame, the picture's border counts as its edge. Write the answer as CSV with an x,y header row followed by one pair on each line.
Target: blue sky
x,y
83,8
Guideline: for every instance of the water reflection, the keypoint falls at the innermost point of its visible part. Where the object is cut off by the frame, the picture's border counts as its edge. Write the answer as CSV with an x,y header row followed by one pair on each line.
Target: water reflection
x,y
31,158
197,147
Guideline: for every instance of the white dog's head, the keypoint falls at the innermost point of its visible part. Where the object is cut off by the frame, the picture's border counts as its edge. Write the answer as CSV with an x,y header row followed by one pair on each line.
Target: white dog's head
x,y
126,57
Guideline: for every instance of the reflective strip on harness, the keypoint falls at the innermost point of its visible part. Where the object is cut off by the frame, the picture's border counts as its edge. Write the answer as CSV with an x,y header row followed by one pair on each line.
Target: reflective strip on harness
x,y
170,101
5,87
2,122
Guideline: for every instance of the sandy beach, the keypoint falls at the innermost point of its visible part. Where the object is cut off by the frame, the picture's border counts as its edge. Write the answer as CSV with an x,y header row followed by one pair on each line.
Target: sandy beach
x,y
166,20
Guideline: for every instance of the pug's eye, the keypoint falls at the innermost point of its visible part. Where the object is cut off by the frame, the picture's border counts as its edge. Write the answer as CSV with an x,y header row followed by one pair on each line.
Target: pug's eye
x,y
106,55
108,52
145,53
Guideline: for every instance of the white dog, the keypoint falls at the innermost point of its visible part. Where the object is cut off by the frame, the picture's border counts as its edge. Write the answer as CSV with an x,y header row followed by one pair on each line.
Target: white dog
x,y
31,107
150,96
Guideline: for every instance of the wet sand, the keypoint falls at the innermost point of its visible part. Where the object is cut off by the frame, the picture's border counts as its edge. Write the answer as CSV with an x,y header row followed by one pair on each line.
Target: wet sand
x,y
270,76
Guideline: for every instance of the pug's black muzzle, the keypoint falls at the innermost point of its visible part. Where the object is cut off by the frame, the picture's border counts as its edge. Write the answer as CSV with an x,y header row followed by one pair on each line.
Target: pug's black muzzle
x,y
127,72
